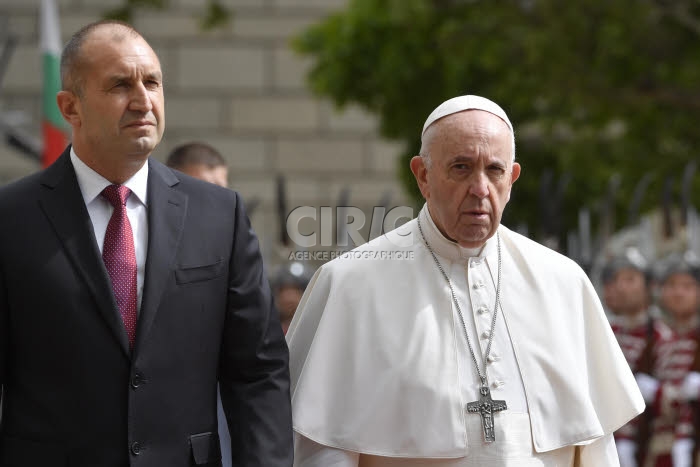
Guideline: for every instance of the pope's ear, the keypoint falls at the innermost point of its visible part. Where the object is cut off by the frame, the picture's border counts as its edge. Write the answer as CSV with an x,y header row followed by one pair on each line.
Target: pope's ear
x,y
420,171
515,173
69,106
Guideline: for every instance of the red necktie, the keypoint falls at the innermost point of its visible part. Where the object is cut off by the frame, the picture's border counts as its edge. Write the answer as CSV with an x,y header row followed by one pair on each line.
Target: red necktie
x,y
119,256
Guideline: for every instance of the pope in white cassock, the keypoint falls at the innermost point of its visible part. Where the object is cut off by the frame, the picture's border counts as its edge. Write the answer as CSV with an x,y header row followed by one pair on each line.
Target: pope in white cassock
x,y
453,341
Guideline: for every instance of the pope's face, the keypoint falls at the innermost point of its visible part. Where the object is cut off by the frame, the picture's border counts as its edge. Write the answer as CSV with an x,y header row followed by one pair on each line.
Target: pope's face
x,y
468,181
119,113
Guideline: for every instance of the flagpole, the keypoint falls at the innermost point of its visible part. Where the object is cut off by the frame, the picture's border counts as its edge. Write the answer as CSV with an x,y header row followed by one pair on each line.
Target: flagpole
x,y
54,137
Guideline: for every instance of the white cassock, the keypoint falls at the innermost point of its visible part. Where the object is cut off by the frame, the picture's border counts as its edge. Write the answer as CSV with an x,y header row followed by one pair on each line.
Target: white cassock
x,y
381,372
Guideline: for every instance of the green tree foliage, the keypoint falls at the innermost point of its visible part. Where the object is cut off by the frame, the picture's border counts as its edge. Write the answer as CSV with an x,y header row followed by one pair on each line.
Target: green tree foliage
x,y
593,87
213,16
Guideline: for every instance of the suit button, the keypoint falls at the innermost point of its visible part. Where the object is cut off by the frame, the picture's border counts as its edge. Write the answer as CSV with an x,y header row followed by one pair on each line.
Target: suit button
x,y
136,380
136,448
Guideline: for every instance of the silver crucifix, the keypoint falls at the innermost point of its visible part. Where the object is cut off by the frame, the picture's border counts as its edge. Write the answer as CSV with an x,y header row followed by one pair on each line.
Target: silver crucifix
x,y
486,407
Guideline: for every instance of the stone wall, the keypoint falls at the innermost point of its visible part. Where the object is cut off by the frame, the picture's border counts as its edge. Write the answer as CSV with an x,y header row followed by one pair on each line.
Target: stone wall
x,y
240,88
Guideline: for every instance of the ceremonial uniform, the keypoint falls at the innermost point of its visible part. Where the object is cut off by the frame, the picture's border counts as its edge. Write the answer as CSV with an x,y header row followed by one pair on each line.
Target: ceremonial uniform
x,y
638,336
673,416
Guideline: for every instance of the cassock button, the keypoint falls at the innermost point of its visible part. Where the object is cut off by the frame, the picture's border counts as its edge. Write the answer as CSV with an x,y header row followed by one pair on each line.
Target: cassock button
x,y
498,384
475,263
493,358
485,334
477,285
482,310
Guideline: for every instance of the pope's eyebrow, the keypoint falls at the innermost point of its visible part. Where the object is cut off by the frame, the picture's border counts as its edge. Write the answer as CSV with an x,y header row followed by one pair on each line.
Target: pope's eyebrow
x,y
461,158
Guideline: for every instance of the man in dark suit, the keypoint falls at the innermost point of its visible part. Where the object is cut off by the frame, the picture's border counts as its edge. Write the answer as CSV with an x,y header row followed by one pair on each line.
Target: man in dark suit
x,y
127,292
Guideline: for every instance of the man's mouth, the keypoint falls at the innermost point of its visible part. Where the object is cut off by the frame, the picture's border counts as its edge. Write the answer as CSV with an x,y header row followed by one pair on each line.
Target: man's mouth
x,y
140,124
477,213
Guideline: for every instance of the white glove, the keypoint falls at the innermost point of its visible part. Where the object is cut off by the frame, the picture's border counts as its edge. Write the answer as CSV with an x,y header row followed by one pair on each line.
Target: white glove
x,y
682,452
626,451
690,389
647,386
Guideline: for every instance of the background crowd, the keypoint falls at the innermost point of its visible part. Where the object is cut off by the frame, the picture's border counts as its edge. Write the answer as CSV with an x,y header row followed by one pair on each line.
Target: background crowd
x,y
653,311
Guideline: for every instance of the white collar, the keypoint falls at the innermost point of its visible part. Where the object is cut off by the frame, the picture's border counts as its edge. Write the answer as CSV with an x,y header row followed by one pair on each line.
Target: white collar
x,y
631,321
92,183
447,248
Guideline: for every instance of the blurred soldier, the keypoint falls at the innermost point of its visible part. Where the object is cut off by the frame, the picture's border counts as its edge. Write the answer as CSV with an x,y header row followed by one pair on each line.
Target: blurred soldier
x,y
672,438
200,160
626,285
288,285
627,297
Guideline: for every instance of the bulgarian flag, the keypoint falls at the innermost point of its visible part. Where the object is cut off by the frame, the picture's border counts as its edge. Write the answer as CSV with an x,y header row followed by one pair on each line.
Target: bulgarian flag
x,y
54,138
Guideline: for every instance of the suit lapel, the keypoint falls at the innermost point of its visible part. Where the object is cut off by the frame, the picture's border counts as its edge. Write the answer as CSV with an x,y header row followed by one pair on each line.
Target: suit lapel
x,y
63,204
166,215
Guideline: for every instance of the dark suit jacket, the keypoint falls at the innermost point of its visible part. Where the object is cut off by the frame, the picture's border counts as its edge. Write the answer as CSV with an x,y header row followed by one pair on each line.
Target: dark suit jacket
x,y
75,395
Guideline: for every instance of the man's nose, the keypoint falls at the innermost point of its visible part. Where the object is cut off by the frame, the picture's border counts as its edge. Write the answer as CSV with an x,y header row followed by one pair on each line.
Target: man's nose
x,y
479,185
140,99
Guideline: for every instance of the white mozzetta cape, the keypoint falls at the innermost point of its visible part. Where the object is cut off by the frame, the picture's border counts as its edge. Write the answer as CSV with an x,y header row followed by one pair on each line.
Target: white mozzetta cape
x,y
373,353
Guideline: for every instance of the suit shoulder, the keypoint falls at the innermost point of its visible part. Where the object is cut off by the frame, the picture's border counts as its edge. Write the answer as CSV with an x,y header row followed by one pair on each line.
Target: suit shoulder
x,y
15,192
201,190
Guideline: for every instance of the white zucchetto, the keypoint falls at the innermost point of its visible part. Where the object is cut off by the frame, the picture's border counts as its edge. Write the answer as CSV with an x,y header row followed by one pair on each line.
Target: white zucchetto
x,y
461,103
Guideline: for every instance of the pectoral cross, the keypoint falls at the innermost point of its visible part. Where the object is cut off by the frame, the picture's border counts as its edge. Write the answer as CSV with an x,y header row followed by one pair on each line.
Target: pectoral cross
x,y
486,407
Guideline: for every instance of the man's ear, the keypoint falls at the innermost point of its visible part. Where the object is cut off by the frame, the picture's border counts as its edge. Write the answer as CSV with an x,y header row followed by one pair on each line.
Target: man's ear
x,y
515,172
69,105
514,175
420,171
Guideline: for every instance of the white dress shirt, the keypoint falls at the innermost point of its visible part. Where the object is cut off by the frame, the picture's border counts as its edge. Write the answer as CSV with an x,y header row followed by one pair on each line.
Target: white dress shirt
x,y
100,210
